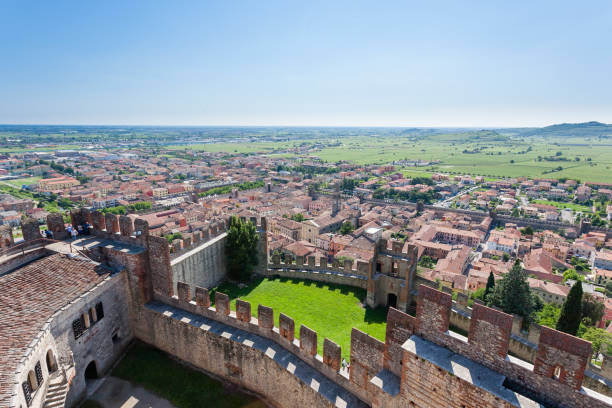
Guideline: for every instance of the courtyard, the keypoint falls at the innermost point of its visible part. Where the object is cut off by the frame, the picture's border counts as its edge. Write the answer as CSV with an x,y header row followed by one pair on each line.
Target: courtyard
x,y
147,377
331,310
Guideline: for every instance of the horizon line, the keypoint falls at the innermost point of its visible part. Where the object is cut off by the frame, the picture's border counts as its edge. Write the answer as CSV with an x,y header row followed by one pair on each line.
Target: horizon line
x,y
299,126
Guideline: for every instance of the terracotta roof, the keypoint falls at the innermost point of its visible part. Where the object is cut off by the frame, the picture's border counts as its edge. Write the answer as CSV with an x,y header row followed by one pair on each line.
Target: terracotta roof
x,y
29,296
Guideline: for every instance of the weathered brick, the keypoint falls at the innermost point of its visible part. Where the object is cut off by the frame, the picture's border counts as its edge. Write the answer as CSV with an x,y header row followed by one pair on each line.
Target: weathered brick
x,y
490,331
308,340
265,317
222,303
332,354
243,310
184,291
202,297
286,327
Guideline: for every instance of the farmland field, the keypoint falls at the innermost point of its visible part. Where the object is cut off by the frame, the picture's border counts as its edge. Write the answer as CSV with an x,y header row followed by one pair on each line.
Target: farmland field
x,y
585,159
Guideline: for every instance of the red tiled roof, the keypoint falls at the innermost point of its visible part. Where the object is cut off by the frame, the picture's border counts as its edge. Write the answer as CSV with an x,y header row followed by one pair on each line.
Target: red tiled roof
x,y
29,296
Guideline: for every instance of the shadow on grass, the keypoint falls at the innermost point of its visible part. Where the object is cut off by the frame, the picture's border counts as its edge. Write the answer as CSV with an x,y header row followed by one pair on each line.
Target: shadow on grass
x,y
378,315
235,290
184,387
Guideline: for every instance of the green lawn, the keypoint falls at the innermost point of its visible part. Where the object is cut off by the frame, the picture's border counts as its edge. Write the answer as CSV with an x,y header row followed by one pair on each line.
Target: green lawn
x,y
19,182
331,310
182,386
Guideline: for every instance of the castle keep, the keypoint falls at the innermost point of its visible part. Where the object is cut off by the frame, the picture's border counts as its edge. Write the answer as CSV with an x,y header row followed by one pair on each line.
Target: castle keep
x,y
84,303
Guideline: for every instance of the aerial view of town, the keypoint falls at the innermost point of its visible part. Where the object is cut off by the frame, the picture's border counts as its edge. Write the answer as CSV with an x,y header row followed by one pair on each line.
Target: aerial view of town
x,y
152,257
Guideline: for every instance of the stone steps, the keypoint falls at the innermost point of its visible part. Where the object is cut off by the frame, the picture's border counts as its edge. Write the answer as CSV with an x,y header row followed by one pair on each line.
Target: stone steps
x,y
56,393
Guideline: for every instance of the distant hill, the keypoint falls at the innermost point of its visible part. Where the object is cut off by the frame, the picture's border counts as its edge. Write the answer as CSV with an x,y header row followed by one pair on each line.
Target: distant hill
x,y
586,129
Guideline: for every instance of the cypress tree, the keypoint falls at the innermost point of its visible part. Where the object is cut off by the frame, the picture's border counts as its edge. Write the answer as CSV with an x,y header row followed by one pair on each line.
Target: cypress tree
x,y
490,288
571,313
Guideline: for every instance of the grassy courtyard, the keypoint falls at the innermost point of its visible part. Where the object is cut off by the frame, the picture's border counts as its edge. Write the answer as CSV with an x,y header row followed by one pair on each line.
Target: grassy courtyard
x,y
331,310
180,385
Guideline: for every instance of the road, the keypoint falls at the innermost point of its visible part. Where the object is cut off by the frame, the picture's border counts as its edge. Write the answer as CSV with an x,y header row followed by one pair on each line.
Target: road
x,y
446,203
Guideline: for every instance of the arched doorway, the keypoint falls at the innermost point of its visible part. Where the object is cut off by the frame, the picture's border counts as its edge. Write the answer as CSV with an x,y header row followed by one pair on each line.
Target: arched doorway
x,y
391,300
91,372
51,362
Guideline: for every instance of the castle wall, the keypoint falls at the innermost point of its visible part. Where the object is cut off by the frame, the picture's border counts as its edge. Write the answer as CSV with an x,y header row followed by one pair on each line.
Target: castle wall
x,y
203,265
327,277
242,358
97,344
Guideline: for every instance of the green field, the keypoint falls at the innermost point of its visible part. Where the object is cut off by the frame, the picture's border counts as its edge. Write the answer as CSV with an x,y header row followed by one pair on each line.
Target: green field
x,y
331,310
184,387
22,148
19,182
463,153
561,205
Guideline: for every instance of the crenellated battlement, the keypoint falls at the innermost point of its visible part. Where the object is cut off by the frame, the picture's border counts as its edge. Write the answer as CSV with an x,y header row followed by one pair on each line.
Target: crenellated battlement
x,y
420,361
380,371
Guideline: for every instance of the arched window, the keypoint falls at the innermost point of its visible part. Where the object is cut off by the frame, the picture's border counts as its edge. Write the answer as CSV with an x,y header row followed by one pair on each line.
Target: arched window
x,y
92,315
86,321
51,362
32,381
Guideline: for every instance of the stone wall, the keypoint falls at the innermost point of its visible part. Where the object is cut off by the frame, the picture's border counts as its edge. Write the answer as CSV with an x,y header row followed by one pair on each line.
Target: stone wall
x,y
203,265
420,363
247,360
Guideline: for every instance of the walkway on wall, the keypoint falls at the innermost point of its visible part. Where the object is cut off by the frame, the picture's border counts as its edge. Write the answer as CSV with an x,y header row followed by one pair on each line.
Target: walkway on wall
x,y
293,364
181,257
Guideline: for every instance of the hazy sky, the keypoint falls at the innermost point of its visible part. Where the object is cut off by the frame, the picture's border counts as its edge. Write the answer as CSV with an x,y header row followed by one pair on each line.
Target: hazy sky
x,y
422,63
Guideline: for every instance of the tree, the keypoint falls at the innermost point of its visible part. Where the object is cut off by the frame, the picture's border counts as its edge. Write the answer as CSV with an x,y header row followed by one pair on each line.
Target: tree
x,y
528,230
241,249
490,288
549,315
299,217
346,228
506,257
598,338
609,289
512,293
426,262
592,309
571,312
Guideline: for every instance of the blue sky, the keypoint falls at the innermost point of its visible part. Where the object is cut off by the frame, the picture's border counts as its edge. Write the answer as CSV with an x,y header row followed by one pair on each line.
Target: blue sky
x,y
376,63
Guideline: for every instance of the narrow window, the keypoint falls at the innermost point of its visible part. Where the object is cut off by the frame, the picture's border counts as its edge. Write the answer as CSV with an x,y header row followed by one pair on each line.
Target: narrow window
x,y
27,392
99,310
557,373
39,374
78,327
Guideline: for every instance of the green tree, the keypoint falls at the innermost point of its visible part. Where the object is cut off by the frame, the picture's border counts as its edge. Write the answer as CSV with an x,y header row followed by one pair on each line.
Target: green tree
x,y
346,228
512,293
599,338
241,249
609,289
572,275
571,312
299,217
427,262
549,315
490,288
592,309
